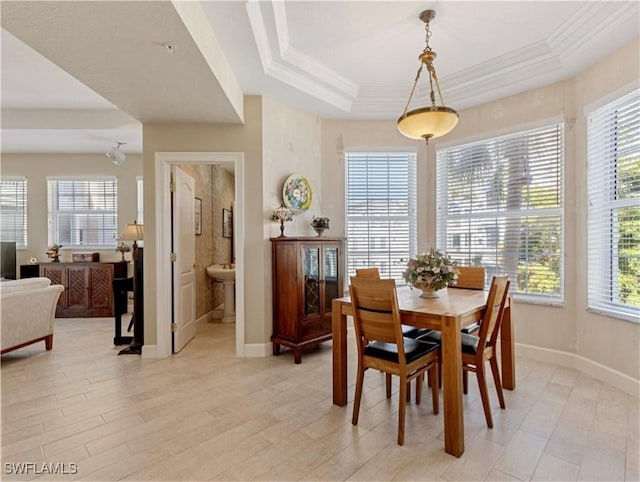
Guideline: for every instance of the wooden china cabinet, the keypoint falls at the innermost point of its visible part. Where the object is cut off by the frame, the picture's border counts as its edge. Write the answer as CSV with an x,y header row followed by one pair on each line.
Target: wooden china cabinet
x,y
308,274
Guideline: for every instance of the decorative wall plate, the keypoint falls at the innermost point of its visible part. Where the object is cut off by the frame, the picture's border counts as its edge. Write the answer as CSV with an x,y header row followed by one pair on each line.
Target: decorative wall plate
x,y
33,260
297,194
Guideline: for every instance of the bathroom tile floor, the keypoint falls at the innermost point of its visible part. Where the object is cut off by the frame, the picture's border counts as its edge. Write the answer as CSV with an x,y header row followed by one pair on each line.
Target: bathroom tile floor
x,y
206,415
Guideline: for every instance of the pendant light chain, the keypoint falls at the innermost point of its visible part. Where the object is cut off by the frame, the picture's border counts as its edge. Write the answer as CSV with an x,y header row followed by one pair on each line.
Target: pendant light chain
x,y
427,36
413,89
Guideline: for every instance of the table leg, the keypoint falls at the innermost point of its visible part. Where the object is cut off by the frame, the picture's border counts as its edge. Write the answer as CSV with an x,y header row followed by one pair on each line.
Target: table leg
x,y
507,352
452,387
339,326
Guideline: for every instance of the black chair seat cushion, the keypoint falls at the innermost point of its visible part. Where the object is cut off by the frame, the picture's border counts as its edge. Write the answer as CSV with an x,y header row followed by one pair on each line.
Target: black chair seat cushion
x,y
471,328
469,342
413,349
413,332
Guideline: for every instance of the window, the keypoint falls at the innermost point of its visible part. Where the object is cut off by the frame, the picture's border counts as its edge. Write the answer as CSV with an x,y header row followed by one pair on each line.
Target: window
x,y
614,208
13,210
83,212
140,192
381,211
500,205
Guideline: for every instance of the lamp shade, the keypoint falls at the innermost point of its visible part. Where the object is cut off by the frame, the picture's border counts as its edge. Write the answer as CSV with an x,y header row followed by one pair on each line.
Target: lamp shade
x,y
133,232
428,122
282,214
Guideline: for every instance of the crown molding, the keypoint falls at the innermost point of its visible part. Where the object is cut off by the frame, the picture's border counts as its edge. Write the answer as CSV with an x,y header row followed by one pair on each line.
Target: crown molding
x,y
287,64
552,59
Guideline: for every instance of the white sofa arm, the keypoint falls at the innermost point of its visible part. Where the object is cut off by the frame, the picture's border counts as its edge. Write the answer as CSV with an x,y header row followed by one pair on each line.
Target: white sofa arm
x,y
27,316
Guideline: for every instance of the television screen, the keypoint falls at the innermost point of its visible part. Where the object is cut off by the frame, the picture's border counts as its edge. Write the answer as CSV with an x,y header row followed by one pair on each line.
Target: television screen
x,y
8,259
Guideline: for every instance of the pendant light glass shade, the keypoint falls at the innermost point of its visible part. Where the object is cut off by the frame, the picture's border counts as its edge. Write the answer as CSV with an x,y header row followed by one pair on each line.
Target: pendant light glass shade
x,y
433,120
427,122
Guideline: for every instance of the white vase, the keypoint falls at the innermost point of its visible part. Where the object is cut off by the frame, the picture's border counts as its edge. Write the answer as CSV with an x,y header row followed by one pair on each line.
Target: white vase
x,y
427,290
429,293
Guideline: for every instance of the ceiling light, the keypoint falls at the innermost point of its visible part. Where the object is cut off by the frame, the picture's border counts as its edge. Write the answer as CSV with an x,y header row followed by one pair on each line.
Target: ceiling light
x,y
116,155
433,120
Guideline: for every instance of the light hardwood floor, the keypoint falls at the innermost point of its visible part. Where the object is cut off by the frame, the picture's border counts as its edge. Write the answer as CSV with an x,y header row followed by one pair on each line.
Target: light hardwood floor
x,y
205,415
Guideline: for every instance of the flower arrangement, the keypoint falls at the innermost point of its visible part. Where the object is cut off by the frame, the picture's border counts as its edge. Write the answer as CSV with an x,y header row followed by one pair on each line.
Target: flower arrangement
x,y
319,222
431,270
320,225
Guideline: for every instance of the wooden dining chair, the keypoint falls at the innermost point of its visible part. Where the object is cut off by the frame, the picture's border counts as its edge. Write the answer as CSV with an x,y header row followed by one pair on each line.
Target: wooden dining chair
x,y
476,350
381,345
408,331
470,278
473,355
371,273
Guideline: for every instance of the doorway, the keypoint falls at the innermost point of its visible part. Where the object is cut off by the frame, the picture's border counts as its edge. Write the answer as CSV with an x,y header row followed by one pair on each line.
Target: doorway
x,y
163,163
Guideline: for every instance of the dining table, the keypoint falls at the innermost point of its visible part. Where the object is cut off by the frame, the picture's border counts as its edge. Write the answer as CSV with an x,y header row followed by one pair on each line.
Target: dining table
x,y
452,310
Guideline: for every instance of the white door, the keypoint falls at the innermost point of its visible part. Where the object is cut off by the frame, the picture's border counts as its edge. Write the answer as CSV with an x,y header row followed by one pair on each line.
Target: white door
x,y
184,247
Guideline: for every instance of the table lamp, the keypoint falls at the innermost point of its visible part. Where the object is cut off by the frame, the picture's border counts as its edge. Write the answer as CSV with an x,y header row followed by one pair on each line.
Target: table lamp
x,y
132,232
135,232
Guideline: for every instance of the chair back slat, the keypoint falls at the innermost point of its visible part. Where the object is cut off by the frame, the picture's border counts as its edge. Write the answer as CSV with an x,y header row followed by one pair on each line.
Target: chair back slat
x,y
492,317
375,311
470,277
372,273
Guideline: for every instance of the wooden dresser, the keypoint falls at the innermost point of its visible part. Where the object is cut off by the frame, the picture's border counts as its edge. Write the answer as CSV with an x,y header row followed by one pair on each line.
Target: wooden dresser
x,y
308,274
88,287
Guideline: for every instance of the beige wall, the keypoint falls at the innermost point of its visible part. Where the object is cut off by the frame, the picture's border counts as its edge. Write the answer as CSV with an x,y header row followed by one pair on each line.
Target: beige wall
x,y
37,167
567,328
291,145
277,141
606,340
245,138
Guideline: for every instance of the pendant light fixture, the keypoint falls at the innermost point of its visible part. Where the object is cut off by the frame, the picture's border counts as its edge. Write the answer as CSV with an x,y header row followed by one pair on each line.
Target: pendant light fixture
x,y
433,120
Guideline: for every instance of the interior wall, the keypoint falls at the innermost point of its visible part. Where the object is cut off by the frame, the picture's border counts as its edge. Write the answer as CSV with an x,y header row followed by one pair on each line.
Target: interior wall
x,y
291,145
607,340
246,138
37,167
566,328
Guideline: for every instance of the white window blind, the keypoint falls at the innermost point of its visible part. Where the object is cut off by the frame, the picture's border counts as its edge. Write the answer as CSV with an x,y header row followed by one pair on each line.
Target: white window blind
x,y
83,212
381,211
500,205
13,210
614,207
140,191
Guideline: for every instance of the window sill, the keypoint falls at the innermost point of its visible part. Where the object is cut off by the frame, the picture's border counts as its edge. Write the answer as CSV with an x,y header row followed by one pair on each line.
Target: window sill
x,y
620,315
532,300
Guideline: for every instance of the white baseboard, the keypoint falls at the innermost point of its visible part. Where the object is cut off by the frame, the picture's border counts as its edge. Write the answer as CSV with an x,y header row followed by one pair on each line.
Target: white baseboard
x,y
571,360
256,350
151,351
206,318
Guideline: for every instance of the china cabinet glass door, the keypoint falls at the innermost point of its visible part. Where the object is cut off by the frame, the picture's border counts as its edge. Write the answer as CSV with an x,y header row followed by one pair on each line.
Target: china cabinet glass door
x,y
311,269
331,275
